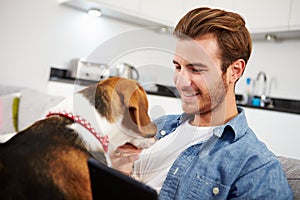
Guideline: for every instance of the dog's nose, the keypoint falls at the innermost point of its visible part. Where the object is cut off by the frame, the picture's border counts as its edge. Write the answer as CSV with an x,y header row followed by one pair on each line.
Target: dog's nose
x,y
149,131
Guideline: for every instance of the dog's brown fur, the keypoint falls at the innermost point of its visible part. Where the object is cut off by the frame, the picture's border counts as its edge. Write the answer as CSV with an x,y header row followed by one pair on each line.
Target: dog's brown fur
x,y
48,160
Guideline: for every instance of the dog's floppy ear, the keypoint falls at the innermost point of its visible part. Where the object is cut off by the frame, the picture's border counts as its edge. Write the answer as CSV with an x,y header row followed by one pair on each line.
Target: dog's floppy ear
x,y
138,109
136,112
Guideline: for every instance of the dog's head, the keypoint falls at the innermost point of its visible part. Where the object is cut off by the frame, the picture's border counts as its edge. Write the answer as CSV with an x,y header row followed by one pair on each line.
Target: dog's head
x,y
123,102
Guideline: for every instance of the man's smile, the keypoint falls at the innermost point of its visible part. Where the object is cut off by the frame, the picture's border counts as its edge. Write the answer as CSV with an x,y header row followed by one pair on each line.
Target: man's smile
x,y
190,94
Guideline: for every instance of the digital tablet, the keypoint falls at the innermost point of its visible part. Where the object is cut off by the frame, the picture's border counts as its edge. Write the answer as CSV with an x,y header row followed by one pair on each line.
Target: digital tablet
x,y
108,183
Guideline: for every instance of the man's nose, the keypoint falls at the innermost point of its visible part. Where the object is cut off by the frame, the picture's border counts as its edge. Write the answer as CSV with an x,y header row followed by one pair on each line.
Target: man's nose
x,y
184,78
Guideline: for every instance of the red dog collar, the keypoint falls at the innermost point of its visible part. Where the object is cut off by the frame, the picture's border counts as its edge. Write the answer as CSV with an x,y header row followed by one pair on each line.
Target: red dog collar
x,y
76,118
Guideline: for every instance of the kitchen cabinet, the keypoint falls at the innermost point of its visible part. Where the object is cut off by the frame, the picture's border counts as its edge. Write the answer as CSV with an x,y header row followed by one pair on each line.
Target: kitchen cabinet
x,y
265,16
278,17
278,130
227,5
260,16
167,12
295,15
128,11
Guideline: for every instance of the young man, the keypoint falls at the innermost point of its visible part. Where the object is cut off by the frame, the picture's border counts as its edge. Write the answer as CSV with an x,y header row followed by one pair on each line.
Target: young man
x,y
209,151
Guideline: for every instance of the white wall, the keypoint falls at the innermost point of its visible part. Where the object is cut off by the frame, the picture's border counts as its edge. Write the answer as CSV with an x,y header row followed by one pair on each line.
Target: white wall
x,y
35,34
280,61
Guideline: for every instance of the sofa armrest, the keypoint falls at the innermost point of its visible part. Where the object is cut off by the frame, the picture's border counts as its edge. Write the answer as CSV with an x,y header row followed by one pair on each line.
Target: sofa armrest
x,y
291,168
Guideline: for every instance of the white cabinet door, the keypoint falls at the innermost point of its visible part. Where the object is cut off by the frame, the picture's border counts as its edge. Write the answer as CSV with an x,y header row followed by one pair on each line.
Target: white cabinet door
x,y
167,12
228,5
260,16
278,130
266,15
295,15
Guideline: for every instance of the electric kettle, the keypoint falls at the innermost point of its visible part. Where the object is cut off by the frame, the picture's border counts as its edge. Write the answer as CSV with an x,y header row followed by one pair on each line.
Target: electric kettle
x,y
127,71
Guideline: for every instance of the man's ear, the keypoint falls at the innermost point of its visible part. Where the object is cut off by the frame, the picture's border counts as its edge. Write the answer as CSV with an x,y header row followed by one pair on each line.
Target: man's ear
x,y
235,70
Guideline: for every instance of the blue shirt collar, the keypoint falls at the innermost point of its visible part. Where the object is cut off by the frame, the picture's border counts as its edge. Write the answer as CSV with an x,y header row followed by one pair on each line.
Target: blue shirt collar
x,y
237,126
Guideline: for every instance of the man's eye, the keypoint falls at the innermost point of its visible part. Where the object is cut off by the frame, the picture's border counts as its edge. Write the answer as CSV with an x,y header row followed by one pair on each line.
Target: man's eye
x,y
197,70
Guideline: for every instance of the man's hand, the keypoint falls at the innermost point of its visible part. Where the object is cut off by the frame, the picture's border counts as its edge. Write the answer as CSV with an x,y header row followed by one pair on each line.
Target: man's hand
x,y
122,158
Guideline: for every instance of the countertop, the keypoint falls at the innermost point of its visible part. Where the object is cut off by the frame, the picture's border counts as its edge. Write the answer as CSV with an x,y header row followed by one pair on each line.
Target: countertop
x,y
280,105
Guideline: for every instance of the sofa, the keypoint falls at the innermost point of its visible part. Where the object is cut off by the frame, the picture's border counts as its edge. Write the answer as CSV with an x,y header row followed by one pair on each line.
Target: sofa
x,y
34,104
291,167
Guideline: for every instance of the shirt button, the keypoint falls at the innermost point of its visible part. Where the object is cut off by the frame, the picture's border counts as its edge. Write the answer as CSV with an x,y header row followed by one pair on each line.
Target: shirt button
x,y
215,190
162,132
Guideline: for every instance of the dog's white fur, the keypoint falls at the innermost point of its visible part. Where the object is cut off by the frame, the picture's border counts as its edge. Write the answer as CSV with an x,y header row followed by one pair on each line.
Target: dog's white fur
x,y
117,134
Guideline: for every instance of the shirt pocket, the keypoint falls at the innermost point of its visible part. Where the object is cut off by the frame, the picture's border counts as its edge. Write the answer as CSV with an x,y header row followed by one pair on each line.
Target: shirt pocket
x,y
205,188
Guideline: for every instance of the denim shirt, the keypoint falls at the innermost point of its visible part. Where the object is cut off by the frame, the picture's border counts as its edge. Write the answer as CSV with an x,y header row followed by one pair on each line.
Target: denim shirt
x,y
232,164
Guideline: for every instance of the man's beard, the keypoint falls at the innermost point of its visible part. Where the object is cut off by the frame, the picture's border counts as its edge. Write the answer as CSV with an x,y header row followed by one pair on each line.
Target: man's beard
x,y
208,101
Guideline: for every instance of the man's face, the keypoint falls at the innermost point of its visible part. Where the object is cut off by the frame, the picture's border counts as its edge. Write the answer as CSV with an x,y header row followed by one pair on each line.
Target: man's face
x,y
198,75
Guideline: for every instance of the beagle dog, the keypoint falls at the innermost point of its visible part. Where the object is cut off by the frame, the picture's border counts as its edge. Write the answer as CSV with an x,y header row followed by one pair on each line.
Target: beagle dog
x,y
48,160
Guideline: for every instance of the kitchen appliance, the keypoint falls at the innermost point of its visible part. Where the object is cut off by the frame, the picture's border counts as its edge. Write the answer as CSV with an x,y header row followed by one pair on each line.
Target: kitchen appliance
x,y
92,71
127,71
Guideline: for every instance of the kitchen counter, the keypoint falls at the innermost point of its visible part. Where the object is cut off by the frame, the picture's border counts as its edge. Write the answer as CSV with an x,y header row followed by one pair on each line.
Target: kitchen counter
x,y
280,105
